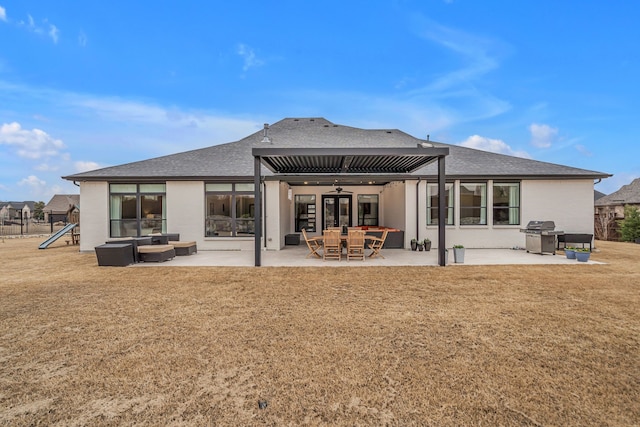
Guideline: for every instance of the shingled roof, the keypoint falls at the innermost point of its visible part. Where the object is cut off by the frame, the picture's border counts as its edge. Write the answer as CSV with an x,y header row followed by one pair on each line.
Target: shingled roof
x,y
627,195
234,160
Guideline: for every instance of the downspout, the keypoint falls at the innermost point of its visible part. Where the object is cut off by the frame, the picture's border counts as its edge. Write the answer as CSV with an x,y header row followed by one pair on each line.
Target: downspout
x,y
418,210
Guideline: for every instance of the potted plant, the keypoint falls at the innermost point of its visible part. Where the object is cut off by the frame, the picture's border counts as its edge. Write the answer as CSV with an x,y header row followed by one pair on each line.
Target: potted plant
x,y
458,254
414,244
427,244
420,246
582,254
570,252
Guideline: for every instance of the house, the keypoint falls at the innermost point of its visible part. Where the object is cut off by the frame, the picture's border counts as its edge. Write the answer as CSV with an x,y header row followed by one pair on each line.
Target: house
x,y
311,173
16,211
59,206
610,209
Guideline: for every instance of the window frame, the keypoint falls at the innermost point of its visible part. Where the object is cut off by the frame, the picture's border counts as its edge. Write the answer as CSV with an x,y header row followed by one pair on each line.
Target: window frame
x,y
137,192
240,225
450,187
510,207
483,220
374,221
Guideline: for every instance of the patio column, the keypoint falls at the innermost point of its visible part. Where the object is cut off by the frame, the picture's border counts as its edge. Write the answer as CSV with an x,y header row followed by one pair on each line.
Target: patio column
x,y
442,217
257,194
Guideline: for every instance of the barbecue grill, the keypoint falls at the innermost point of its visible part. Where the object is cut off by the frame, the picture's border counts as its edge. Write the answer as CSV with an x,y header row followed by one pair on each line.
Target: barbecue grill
x,y
541,237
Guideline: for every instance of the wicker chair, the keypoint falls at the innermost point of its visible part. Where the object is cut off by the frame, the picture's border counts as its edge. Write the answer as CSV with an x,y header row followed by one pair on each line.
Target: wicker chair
x,y
355,244
332,245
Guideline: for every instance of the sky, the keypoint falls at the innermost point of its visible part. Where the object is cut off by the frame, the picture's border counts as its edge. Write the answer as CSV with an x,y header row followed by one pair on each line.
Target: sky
x,y
85,85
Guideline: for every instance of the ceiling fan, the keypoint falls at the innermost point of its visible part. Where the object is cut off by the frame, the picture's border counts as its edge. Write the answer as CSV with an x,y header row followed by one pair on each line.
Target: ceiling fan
x,y
339,189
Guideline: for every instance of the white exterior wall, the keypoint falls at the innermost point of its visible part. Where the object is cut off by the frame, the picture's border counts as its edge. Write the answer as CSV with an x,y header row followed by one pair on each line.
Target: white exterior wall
x,y
569,203
186,211
94,214
276,213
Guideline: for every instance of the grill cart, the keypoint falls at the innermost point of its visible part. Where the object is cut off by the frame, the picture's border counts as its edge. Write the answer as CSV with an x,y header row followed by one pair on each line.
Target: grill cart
x,y
541,237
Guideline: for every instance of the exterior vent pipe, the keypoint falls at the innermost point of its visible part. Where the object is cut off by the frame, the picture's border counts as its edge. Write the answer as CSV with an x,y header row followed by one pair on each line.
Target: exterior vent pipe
x,y
266,138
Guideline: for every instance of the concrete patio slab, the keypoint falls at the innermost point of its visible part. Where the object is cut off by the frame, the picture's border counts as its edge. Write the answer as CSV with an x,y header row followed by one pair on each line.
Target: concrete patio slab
x,y
296,256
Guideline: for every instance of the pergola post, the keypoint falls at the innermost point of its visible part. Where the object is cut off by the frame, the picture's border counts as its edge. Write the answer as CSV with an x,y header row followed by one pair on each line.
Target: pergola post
x,y
257,194
442,261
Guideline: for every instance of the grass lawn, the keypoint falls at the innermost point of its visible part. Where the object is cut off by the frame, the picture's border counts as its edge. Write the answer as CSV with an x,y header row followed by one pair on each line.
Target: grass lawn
x,y
189,346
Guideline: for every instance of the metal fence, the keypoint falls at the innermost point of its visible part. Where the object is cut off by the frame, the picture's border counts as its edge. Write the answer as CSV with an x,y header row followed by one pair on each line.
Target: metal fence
x,y
29,228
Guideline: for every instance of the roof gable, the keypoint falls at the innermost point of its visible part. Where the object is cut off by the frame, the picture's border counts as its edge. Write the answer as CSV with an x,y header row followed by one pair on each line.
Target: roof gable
x,y
627,194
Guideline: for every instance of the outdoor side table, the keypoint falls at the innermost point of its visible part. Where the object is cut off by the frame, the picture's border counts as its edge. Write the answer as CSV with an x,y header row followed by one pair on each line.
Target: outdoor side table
x,y
115,254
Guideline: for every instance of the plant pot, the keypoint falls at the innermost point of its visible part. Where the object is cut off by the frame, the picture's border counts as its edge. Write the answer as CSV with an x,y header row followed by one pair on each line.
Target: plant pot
x,y
458,255
427,246
583,256
571,254
414,246
421,248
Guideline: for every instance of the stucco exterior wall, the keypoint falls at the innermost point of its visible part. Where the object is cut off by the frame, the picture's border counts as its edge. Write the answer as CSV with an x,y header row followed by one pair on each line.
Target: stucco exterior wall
x,y
569,203
186,210
94,214
277,213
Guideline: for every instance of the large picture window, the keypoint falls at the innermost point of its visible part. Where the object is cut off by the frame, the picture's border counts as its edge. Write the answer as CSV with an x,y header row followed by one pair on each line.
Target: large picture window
x,y
473,203
368,209
137,209
506,203
230,210
305,206
432,203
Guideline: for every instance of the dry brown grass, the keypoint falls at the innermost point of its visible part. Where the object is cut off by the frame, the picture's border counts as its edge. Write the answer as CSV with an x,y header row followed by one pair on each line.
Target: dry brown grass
x,y
465,345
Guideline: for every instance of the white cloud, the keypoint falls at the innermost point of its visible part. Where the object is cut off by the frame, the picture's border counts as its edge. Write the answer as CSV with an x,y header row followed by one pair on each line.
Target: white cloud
x,y
493,145
3,14
542,136
53,33
249,56
84,166
30,144
583,150
31,25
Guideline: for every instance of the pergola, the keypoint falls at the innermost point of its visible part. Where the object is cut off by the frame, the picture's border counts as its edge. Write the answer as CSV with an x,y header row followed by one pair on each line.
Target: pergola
x,y
397,161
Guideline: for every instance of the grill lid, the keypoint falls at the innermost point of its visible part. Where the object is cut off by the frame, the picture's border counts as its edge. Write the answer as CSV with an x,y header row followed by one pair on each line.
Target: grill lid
x,y
541,226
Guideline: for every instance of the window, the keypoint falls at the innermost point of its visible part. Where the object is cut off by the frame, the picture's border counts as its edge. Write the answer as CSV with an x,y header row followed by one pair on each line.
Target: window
x,y
432,203
230,210
368,209
137,209
305,206
473,203
506,203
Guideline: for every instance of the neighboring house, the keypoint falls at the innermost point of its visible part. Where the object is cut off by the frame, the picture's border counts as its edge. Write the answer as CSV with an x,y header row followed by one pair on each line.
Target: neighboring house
x,y
313,173
610,209
59,206
16,211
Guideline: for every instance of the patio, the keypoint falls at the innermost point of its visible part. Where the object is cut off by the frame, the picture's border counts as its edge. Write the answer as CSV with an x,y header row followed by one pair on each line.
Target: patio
x,y
295,256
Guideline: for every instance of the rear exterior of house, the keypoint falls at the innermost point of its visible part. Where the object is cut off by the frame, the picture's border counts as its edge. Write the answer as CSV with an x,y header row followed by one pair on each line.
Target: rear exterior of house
x,y
209,195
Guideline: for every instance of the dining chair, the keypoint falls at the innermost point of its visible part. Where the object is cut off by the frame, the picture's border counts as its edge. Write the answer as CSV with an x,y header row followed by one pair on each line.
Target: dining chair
x,y
332,245
355,244
313,243
376,243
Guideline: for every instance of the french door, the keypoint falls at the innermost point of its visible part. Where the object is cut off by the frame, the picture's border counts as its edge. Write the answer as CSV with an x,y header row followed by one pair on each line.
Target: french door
x,y
336,211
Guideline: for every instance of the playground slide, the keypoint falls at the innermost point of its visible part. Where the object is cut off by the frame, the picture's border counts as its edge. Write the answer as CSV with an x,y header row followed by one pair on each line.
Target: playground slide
x,y
57,235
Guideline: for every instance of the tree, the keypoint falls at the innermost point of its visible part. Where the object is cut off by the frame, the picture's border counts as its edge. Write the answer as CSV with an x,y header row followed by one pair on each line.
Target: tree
x,y
38,212
630,225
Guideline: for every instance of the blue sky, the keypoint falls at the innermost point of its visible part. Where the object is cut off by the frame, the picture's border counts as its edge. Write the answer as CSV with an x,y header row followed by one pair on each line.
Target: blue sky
x,y
85,85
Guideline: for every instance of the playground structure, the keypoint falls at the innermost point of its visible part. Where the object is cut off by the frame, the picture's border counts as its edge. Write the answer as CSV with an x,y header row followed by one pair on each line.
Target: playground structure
x,y
72,228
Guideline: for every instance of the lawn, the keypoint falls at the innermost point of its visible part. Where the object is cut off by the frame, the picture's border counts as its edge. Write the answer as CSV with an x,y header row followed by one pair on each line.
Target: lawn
x,y
442,346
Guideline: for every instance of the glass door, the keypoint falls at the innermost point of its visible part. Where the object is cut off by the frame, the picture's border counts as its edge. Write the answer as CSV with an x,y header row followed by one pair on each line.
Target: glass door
x,y
336,211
